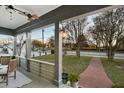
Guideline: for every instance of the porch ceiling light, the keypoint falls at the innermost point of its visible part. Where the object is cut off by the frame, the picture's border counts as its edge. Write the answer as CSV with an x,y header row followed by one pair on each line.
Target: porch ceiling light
x,y
64,34
62,31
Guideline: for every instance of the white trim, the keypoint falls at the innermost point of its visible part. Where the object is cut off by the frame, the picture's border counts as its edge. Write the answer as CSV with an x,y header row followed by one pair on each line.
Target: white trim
x,y
44,62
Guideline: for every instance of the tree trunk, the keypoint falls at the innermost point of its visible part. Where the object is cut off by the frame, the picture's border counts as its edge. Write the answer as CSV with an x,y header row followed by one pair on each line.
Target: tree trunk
x,y
78,50
39,53
110,54
97,46
19,60
64,52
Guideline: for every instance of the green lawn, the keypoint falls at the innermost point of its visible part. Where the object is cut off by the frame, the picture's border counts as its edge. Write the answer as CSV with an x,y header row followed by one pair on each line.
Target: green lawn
x,y
115,71
71,64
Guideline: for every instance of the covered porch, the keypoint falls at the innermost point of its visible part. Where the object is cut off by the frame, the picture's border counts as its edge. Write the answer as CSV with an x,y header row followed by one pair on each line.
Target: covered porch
x,y
42,73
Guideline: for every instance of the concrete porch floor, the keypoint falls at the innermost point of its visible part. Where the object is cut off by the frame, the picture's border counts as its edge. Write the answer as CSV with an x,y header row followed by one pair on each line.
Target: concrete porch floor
x,y
37,82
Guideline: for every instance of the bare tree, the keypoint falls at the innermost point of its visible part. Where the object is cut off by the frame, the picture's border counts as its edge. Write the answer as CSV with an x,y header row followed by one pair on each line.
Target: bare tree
x,y
51,42
96,36
75,32
38,44
109,30
20,46
6,44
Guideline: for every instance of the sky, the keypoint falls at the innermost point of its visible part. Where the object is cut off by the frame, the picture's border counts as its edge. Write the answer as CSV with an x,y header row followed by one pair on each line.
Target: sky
x,y
37,34
48,32
5,36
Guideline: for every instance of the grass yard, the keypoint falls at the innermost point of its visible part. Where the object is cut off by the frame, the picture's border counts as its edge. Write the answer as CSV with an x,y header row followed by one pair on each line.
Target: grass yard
x,y
115,71
71,64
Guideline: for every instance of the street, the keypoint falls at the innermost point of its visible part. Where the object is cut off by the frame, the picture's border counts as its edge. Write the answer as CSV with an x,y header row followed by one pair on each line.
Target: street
x,y
85,53
96,54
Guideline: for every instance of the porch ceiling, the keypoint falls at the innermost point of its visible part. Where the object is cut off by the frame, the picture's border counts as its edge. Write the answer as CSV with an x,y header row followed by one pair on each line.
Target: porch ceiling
x,y
15,20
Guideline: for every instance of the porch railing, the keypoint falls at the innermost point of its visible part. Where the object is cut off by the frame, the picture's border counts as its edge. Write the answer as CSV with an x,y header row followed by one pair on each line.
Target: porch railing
x,y
40,68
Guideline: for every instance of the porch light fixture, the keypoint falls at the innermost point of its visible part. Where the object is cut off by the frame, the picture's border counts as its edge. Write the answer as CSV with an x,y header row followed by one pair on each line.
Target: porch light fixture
x,y
30,16
63,32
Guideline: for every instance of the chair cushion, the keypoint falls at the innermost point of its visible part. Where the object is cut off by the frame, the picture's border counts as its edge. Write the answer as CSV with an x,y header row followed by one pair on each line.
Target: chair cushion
x,y
3,69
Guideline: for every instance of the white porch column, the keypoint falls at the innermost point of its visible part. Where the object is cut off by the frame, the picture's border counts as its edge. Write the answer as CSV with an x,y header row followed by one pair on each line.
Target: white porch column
x,y
28,49
15,43
28,44
58,55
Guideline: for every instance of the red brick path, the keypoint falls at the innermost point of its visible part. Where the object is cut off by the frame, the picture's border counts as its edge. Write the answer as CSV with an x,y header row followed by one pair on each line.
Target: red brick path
x,y
94,76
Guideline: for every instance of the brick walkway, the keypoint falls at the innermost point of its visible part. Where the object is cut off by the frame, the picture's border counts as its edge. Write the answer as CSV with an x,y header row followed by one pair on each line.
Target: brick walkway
x,y
94,76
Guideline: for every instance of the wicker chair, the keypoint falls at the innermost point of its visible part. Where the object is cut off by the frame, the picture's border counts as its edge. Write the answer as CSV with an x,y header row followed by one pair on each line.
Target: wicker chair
x,y
10,68
5,60
4,68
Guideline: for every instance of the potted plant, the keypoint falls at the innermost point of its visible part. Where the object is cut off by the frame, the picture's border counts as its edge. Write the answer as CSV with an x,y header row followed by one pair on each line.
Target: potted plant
x,y
73,80
52,51
65,78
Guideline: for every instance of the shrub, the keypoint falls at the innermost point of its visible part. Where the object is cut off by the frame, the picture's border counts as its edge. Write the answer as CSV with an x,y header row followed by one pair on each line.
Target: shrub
x,y
73,78
52,51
